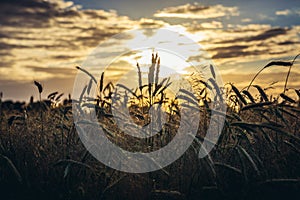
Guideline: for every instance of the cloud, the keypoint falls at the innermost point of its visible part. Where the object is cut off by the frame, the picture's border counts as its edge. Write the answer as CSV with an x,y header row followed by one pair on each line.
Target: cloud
x,y
246,45
288,12
246,20
231,51
266,34
44,40
37,35
203,26
197,11
283,12
65,72
38,12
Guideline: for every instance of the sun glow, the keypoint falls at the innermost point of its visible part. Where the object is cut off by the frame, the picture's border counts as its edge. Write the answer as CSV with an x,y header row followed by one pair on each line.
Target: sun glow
x,y
173,44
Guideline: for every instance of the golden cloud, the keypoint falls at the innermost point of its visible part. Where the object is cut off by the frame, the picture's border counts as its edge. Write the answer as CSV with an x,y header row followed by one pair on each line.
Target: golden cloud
x,y
197,11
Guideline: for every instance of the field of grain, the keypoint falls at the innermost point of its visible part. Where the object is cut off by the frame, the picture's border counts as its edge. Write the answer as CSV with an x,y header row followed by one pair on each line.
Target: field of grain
x,y
257,155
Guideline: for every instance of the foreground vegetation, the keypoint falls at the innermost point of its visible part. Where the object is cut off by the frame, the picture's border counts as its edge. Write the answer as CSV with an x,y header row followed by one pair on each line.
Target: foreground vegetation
x,y
257,155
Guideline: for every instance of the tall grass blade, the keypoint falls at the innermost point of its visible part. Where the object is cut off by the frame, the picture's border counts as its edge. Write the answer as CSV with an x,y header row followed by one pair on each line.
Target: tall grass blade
x,y
256,105
82,94
13,168
157,71
250,97
88,73
218,91
127,89
101,83
140,76
261,92
272,63
59,96
52,95
89,87
288,74
228,167
73,162
287,98
39,86
212,71
238,94
249,158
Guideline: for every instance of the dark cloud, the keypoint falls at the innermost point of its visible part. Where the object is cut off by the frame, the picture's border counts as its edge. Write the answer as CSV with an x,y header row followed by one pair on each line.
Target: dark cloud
x,y
232,51
150,23
235,54
64,57
51,34
54,70
271,33
45,39
288,43
268,34
253,41
230,48
34,13
184,9
7,46
94,14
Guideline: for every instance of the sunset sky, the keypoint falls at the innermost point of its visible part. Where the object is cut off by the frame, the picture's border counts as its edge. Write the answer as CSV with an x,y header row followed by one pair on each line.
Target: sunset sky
x,y
44,40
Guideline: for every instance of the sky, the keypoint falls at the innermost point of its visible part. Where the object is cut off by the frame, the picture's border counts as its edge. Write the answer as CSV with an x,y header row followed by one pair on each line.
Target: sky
x,y
44,40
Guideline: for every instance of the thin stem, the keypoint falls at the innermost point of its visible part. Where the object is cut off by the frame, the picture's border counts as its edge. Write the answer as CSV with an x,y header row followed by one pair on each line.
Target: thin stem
x,y
254,78
288,74
41,114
